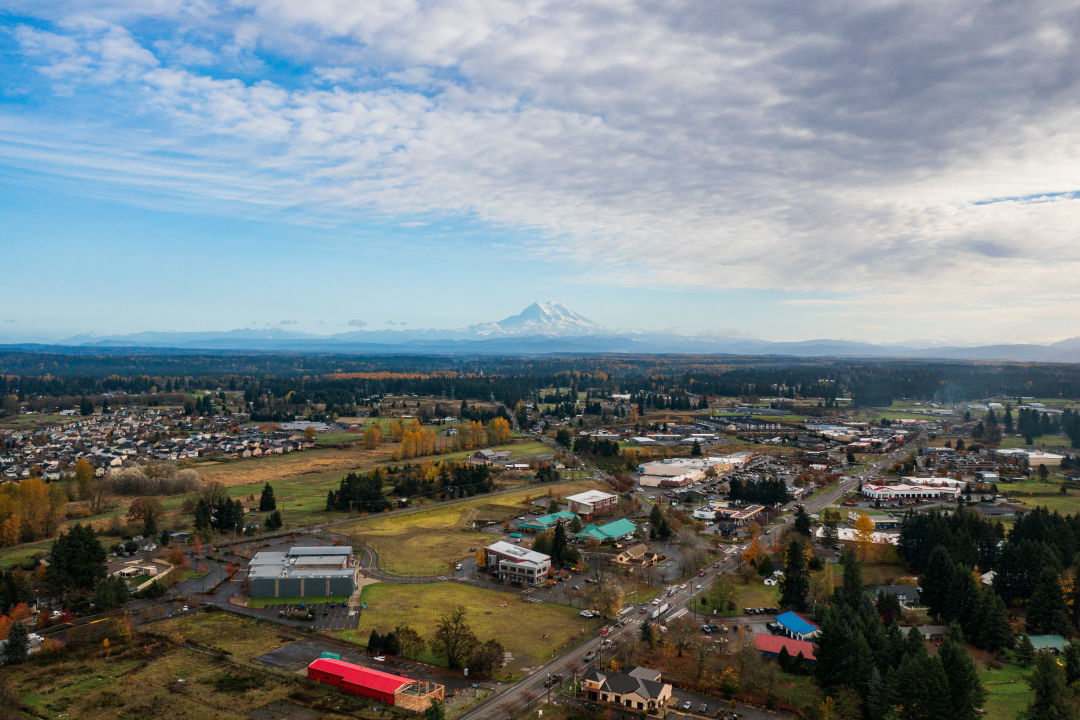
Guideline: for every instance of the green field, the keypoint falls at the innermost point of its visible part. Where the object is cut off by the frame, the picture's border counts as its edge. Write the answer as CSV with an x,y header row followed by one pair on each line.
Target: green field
x,y
1007,691
1043,441
268,602
430,541
519,626
34,421
1065,504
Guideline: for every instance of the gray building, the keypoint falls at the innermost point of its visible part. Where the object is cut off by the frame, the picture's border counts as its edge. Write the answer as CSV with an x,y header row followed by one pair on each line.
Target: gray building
x,y
303,572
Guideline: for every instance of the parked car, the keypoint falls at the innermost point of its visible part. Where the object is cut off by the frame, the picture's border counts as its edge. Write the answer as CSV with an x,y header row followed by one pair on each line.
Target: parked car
x,y
687,705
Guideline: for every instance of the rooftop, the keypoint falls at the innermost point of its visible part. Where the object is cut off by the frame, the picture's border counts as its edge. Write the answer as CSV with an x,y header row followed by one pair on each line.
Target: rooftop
x,y
361,676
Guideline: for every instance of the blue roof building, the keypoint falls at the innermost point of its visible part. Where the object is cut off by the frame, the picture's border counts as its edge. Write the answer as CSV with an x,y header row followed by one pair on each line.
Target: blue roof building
x,y
796,626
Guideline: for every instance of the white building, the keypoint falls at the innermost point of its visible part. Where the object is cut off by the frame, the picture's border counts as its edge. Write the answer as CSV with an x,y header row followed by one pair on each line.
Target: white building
x,y
591,503
902,491
515,563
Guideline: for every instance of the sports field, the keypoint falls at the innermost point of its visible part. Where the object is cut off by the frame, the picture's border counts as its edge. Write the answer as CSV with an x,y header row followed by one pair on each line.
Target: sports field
x,y
519,626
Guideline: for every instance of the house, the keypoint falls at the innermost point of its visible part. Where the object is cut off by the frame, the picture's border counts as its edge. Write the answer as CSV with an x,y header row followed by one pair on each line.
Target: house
x,y
1048,643
639,688
384,687
908,595
796,626
607,532
637,556
771,645
932,633
547,522
517,564
591,503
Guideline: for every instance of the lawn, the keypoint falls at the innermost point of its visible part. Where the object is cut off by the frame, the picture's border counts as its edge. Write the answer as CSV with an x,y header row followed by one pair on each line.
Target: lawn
x,y
267,602
19,554
1065,504
1044,441
519,626
430,541
754,594
244,638
1007,691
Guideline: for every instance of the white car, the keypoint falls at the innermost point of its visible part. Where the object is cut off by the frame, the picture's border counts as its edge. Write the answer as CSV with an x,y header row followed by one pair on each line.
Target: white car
x,y
586,613
379,658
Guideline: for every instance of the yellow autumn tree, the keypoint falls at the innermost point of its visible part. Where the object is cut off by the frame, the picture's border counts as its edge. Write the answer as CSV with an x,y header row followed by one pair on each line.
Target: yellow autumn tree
x,y
498,431
372,436
864,536
754,552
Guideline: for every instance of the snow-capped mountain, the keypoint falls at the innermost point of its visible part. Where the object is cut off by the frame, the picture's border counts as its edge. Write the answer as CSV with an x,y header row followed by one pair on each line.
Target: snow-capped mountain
x,y
540,318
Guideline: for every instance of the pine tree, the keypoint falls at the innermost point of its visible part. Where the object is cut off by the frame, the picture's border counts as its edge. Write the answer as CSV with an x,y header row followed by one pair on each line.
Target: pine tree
x,y
1052,701
796,581
267,502
802,521
18,643
965,691
992,620
1046,608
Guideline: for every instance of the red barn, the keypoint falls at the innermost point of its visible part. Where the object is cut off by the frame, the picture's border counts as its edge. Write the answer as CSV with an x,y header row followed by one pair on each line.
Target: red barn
x,y
375,684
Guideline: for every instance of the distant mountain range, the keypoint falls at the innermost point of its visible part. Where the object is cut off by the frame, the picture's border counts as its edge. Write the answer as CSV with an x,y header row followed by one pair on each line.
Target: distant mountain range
x,y
550,327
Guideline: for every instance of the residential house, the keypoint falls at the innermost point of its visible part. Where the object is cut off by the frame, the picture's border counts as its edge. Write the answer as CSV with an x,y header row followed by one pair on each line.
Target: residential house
x,y
639,689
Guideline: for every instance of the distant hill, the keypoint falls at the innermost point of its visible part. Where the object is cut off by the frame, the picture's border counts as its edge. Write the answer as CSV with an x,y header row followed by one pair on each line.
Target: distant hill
x,y
551,327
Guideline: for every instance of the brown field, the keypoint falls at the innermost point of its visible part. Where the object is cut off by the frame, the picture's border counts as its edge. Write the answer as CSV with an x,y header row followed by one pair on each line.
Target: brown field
x,y
279,467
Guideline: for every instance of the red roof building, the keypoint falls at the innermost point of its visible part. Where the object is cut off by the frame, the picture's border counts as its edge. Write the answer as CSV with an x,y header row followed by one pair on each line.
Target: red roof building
x,y
772,644
375,684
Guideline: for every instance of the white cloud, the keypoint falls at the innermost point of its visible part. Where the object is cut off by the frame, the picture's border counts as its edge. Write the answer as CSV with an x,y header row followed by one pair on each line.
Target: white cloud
x,y
843,148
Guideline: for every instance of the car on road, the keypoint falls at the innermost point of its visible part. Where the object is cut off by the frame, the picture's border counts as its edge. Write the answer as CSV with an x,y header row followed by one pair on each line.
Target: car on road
x,y
589,656
687,705
379,658
458,566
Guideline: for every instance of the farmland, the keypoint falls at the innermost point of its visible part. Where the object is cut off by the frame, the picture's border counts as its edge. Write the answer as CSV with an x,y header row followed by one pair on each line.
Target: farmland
x,y
492,614
430,541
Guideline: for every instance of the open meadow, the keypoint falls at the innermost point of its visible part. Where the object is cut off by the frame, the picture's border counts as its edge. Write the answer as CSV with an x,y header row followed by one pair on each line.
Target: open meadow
x,y
430,541
519,626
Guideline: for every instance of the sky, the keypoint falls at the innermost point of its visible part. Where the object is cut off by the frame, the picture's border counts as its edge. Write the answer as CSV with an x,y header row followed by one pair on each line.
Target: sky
x,y
866,170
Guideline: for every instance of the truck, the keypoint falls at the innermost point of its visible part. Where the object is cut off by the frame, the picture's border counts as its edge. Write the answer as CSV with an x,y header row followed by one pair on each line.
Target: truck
x,y
659,610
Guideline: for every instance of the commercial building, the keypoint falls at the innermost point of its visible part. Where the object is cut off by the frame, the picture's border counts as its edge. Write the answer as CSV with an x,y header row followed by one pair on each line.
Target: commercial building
x,y
614,530
516,564
796,626
384,687
638,689
591,503
546,522
772,645
902,491
303,572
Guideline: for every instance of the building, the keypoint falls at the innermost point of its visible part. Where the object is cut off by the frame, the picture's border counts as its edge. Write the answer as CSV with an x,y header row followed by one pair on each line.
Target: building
x,y
384,687
908,492
546,522
771,645
908,595
613,530
796,626
517,564
639,688
1048,643
303,572
591,503
637,556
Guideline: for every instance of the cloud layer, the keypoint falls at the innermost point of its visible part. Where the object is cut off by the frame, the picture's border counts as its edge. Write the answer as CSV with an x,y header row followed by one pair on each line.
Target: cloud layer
x,y
889,151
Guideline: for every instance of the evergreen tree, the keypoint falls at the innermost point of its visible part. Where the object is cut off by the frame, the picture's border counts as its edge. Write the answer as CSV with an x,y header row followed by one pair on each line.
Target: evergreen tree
x,y
992,621
202,515
936,581
646,633
852,590
267,501
1025,652
18,643
802,521
76,560
965,691
796,581
110,592
1046,608
273,520
919,689
558,544
1052,700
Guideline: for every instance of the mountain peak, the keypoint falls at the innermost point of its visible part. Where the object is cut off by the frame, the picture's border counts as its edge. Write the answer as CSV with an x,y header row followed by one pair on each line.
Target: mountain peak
x,y
541,318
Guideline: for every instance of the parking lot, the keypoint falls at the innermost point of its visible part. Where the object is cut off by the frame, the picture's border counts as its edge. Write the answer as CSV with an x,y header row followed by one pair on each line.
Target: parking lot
x,y
336,616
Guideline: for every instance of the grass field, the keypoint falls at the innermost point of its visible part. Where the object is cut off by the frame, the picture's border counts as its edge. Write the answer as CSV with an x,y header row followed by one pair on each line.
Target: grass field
x,y
1007,691
241,637
519,626
429,542
21,553
268,602
1065,504
34,421
1044,441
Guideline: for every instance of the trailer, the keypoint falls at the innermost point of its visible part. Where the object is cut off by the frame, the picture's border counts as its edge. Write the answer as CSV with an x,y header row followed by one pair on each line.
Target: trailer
x,y
659,610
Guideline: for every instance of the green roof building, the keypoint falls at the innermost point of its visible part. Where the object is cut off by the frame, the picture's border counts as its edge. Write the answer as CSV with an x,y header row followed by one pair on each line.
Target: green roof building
x,y
611,531
547,522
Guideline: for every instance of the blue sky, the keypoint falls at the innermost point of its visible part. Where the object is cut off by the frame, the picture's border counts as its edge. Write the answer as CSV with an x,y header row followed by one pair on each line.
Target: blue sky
x,y
861,171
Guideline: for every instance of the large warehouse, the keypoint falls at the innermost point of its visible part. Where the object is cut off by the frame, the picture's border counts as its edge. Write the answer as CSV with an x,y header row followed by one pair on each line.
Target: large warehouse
x,y
303,572
396,690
